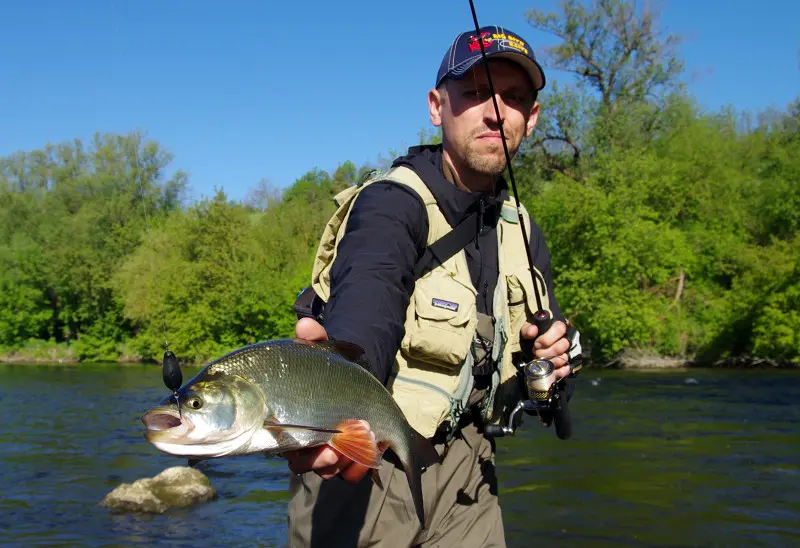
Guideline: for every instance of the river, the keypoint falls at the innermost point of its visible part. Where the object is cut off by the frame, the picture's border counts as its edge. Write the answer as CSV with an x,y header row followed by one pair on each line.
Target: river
x,y
658,458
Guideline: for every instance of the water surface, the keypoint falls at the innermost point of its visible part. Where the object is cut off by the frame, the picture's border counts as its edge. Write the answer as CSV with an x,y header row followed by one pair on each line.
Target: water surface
x,y
665,458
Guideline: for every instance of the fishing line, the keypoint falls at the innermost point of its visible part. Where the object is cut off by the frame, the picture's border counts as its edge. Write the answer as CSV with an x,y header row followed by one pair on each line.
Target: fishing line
x,y
170,368
149,241
541,317
556,404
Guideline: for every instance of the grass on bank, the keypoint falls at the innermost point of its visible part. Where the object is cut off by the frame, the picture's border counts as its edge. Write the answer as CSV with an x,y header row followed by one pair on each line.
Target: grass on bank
x,y
50,352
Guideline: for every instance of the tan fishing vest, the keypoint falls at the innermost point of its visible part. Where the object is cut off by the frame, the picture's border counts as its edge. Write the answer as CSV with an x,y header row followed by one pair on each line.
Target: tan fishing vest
x,y
432,377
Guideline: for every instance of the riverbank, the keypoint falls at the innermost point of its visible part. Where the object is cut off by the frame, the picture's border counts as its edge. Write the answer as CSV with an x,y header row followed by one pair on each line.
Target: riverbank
x,y
634,359
61,354
49,353
39,352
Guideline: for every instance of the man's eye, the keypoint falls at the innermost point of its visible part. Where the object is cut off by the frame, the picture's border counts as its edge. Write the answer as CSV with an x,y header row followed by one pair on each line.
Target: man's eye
x,y
514,98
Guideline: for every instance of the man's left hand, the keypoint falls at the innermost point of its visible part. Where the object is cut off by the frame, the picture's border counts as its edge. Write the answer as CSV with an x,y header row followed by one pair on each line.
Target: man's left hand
x,y
552,345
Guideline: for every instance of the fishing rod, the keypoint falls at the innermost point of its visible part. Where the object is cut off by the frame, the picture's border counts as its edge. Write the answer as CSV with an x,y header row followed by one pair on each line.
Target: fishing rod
x,y
548,399
170,367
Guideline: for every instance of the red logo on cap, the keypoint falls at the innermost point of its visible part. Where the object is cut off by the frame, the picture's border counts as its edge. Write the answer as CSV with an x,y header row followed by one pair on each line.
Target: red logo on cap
x,y
475,46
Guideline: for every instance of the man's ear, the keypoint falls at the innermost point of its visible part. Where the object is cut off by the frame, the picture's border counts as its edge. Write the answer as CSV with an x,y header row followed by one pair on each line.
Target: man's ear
x,y
533,117
435,106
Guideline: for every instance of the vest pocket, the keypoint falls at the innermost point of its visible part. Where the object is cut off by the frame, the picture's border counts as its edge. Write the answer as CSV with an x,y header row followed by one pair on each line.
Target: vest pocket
x,y
440,322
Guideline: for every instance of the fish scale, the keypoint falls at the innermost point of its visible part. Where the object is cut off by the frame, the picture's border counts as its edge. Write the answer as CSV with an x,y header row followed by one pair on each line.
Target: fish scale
x,y
305,375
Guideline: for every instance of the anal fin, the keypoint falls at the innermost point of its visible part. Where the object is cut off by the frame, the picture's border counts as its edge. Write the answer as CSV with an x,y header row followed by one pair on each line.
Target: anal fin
x,y
376,477
357,442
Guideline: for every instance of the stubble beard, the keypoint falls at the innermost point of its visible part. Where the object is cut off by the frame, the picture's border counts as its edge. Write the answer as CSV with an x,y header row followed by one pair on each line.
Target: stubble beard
x,y
491,164
486,160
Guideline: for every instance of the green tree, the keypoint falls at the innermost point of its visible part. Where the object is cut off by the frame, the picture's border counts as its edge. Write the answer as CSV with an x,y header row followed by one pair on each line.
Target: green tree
x,y
624,70
76,211
228,274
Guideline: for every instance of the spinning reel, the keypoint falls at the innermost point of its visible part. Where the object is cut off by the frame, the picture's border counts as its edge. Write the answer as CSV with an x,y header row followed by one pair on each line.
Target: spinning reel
x,y
547,397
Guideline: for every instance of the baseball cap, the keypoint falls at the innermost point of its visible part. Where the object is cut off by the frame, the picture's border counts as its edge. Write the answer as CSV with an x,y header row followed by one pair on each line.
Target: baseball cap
x,y
498,42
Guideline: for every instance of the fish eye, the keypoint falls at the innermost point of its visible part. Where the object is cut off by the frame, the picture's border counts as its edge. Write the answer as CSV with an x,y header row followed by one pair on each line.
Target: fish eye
x,y
194,402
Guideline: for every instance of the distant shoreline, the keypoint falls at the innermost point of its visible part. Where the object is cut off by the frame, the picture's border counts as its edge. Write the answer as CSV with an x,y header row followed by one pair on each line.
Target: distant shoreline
x,y
633,363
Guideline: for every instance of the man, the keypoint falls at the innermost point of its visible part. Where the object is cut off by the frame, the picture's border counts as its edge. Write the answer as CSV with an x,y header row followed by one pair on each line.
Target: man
x,y
419,333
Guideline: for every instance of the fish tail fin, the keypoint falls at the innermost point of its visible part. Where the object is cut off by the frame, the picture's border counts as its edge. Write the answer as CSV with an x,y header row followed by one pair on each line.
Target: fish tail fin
x,y
421,455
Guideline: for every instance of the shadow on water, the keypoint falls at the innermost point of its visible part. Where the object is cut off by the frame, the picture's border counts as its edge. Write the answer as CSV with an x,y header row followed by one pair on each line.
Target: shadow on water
x,y
654,461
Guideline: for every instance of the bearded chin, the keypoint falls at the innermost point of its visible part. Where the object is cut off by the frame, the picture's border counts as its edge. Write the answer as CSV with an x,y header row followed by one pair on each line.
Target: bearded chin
x,y
492,164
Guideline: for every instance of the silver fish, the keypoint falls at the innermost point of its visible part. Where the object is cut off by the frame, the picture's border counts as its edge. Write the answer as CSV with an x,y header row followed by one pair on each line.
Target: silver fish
x,y
284,395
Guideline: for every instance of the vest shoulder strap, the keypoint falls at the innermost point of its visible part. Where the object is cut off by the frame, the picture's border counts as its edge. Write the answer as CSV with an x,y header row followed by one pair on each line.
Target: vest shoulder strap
x,y
508,212
447,245
406,176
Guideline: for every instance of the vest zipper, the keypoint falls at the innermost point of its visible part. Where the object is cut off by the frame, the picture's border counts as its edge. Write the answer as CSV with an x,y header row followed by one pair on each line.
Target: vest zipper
x,y
481,212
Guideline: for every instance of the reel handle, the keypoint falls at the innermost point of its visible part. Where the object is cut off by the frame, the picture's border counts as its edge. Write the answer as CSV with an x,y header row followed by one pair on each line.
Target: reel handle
x,y
561,418
542,319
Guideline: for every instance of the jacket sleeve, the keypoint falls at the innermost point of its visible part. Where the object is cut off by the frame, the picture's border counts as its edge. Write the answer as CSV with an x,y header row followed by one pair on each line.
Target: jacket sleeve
x,y
372,277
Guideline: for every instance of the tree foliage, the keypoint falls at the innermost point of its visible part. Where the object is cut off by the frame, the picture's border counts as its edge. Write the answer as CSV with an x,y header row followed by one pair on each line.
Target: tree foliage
x,y
70,215
613,47
227,274
672,230
626,72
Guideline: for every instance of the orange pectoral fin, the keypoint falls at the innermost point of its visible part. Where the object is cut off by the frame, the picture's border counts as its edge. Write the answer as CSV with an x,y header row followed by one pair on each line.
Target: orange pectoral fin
x,y
356,442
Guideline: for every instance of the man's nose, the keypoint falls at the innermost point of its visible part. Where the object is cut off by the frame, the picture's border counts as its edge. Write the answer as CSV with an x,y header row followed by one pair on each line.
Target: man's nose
x,y
489,112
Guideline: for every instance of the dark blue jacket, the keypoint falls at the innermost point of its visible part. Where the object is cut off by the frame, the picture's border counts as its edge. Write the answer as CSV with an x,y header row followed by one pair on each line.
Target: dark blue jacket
x,y
372,277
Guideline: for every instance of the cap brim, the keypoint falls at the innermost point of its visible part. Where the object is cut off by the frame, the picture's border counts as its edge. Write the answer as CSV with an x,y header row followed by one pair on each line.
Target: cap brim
x,y
534,70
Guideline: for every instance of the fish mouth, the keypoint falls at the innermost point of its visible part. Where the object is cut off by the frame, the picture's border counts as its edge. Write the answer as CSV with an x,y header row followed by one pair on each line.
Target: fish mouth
x,y
175,434
161,421
166,423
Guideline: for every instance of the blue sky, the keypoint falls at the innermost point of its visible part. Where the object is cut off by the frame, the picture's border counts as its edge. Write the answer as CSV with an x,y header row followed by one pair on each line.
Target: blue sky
x,y
242,91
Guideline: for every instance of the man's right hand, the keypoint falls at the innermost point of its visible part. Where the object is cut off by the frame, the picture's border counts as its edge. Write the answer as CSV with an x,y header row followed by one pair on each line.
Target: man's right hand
x,y
323,460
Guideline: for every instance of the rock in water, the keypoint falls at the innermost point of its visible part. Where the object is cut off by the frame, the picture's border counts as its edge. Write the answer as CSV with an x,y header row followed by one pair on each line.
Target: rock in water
x,y
176,487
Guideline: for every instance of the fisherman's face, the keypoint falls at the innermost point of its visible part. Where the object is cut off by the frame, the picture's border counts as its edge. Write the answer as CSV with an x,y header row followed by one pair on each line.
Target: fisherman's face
x,y
470,129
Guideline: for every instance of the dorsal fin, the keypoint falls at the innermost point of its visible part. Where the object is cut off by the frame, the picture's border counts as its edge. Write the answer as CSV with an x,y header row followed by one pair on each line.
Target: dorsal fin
x,y
349,351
